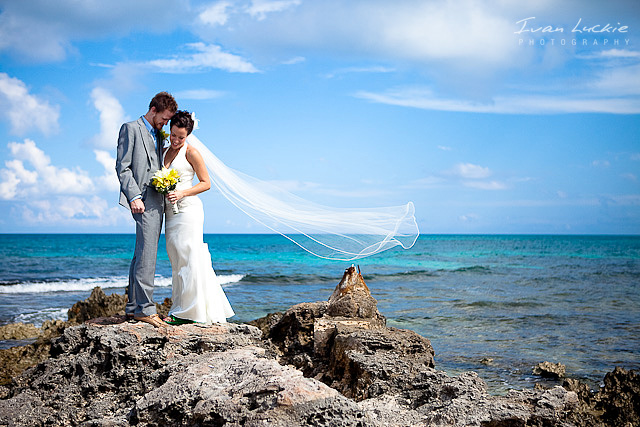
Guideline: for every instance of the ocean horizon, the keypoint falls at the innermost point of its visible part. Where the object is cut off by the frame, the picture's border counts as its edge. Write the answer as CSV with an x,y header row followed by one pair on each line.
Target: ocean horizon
x,y
496,304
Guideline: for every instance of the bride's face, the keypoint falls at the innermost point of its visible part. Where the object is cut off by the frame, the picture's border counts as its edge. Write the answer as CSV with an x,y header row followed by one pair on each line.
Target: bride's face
x,y
178,137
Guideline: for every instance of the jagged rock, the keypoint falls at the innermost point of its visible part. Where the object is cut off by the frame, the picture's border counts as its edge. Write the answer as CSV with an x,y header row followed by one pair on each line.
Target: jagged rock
x,y
18,331
617,403
241,387
368,362
14,360
266,323
293,334
352,298
52,329
132,373
549,370
108,372
356,355
390,372
619,399
97,305
163,309
100,304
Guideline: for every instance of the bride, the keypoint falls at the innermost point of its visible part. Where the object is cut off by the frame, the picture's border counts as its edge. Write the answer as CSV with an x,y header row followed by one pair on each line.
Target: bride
x,y
196,291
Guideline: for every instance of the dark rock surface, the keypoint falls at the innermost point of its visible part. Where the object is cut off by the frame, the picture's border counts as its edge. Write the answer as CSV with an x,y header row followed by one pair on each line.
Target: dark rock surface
x,y
101,305
329,363
619,399
15,360
131,373
549,370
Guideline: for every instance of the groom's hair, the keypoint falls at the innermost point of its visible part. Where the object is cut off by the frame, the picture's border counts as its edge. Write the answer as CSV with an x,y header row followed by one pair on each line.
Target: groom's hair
x,y
164,101
182,119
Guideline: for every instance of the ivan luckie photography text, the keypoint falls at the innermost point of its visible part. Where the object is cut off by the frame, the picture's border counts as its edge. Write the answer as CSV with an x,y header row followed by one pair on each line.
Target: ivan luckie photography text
x,y
581,33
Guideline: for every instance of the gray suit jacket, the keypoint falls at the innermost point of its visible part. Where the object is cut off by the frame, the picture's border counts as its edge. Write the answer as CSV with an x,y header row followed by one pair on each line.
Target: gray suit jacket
x,y
137,160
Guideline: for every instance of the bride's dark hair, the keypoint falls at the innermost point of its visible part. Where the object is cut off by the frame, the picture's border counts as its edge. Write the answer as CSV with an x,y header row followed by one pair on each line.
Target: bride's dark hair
x,y
182,119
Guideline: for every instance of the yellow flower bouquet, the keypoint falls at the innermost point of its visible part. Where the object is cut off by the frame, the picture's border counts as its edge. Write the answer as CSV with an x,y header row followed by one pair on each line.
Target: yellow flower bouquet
x,y
165,181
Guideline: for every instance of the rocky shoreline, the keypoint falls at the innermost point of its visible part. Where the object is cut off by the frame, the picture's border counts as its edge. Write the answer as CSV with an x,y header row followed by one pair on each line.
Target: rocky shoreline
x,y
332,363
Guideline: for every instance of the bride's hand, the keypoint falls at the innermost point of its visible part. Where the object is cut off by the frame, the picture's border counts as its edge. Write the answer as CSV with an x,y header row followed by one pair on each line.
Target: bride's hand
x,y
175,196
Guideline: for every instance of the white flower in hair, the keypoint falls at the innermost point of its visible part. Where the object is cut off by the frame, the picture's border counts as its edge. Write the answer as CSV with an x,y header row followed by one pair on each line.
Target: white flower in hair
x,y
195,121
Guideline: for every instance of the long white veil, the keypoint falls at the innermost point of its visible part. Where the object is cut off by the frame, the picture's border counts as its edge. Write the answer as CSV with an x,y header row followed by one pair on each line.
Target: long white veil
x,y
331,233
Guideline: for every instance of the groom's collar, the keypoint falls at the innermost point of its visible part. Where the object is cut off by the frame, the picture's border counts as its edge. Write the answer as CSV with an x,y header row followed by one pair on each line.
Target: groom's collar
x,y
148,125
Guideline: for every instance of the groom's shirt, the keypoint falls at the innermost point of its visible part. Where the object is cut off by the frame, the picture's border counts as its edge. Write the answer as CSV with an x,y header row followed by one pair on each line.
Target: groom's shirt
x,y
151,131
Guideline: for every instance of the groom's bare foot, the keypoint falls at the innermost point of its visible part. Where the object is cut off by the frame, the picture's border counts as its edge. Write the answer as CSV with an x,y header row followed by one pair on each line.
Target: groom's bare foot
x,y
153,320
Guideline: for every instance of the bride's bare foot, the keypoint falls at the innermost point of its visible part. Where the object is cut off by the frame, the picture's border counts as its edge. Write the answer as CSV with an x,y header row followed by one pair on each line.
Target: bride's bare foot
x,y
153,320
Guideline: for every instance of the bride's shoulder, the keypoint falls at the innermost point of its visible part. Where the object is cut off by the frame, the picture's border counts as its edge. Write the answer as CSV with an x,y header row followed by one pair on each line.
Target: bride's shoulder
x,y
192,153
191,149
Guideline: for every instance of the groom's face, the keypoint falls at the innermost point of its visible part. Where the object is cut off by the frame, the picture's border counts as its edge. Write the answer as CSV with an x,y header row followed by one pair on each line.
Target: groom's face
x,y
161,118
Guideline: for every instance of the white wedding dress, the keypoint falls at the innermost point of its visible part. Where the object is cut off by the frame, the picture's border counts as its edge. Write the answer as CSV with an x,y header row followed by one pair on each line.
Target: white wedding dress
x,y
196,291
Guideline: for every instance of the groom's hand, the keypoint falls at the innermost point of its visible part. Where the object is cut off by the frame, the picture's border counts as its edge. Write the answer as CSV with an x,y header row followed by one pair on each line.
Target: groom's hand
x,y
137,206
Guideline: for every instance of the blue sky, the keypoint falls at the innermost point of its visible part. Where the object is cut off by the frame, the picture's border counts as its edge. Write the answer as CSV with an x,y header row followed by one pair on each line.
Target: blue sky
x,y
491,116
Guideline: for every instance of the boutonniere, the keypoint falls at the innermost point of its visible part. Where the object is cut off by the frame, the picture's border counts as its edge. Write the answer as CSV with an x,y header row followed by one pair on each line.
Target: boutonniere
x,y
163,135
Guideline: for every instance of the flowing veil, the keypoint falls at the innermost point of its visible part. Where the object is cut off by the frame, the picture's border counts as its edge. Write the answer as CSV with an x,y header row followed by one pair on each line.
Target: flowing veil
x,y
331,233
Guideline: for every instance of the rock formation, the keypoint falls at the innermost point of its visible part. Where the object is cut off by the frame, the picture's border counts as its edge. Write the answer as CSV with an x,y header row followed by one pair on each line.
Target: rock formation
x,y
18,331
549,370
329,363
15,360
109,373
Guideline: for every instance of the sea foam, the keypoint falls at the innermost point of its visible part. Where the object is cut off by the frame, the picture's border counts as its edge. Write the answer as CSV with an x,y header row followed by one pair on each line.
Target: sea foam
x,y
87,284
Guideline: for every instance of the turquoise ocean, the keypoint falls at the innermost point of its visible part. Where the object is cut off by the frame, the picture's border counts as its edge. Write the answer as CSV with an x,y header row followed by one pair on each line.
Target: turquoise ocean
x,y
515,300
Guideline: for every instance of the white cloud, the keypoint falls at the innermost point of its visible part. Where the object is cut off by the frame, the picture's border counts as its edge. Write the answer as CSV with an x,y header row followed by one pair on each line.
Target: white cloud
x,y
349,70
619,53
215,14
30,35
26,111
459,33
112,116
41,30
486,185
621,80
205,57
72,211
601,163
294,60
471,171
42,179
466,48
465,174
109,180
467,30
526,103
444,148
474,176
260,8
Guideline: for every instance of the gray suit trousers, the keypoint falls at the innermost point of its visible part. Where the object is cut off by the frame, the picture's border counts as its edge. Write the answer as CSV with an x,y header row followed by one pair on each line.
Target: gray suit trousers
x,y
143,265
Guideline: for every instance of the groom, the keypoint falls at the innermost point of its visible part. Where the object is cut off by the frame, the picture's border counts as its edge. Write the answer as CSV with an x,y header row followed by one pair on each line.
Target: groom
x,y
139,156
